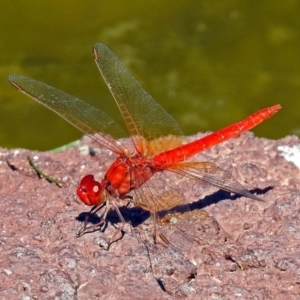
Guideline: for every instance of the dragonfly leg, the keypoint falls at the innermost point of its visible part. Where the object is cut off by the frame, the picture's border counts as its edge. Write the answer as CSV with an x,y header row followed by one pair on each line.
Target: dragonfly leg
x,y
86,228
120,229
154,232
127,198
96,208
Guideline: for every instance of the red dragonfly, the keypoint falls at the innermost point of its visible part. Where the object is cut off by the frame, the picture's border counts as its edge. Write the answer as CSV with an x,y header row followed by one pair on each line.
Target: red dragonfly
x,y
155,151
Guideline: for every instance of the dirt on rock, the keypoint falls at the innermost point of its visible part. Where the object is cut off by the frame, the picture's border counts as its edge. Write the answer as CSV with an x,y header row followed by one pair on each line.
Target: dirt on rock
x,y
243,249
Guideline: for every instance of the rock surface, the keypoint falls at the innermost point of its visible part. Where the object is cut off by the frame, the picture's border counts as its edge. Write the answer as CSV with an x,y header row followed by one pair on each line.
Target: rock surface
x,y
243,249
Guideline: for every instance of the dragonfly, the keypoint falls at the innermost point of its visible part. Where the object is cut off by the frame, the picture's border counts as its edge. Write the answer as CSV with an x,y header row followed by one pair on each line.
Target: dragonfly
x,y
155,153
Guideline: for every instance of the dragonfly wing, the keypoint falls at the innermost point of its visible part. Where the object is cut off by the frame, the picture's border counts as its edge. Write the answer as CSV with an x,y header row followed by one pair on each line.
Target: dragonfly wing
x,y
208,172
170,211
88,119
171,268
170,235
143,116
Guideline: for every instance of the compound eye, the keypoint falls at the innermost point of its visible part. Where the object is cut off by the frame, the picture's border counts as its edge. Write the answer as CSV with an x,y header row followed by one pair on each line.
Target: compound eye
x,y
90,191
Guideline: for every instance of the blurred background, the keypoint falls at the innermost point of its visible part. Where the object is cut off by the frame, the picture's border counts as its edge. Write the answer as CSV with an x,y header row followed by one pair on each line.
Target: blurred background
x,y
209,63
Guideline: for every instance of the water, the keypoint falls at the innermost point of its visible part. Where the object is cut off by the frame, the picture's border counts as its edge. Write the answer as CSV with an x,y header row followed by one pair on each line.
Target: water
x,y
209,63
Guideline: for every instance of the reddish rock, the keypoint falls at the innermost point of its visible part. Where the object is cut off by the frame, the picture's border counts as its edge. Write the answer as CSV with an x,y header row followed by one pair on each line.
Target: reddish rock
x,y
242,248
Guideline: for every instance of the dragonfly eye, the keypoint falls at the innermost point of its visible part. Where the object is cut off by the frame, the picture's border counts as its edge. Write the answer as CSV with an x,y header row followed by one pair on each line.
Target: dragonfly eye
x,y
90,191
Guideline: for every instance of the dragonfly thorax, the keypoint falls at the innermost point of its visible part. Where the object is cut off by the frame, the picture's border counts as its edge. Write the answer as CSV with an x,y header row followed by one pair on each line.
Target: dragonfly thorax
x,y
126,174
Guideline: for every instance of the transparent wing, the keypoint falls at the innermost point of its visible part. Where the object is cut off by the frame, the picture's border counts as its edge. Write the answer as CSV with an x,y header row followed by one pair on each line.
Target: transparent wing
x,y
143,116
88,119
169,209
170,236
208,172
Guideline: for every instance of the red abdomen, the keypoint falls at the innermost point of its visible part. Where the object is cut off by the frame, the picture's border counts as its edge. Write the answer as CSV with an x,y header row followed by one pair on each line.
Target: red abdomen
x,y
171,157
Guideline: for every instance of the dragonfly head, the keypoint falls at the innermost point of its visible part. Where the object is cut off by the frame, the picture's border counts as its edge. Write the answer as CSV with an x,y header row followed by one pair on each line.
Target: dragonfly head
x,y
90,191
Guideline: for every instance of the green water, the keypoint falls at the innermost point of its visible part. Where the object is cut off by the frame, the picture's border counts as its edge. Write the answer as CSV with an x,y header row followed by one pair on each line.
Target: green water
x,y
209,63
